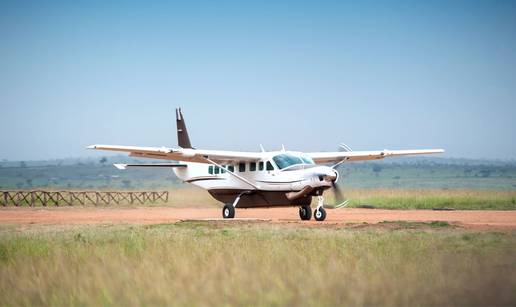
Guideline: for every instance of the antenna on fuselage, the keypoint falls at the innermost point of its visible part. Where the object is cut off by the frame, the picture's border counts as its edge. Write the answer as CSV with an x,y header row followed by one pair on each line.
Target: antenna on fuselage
x,y
183,140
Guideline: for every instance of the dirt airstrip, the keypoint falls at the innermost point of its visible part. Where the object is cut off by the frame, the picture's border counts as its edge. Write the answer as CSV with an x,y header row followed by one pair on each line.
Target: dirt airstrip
x,y
152,215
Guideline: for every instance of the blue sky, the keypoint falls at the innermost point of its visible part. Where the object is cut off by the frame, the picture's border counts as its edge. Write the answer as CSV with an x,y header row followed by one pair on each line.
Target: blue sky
x,y
375,75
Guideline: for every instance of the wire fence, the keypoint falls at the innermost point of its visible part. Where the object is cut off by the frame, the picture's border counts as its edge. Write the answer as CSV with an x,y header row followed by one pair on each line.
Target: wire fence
x,y
70,198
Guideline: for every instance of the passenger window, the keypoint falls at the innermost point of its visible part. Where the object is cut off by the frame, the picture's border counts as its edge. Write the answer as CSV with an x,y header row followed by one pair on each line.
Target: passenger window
x,y
210,169
269,166
231,168
252,166
260,166
223,170
217,170
241,167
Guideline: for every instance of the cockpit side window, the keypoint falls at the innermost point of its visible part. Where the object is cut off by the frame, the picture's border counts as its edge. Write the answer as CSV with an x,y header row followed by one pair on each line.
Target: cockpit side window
x,y
269,166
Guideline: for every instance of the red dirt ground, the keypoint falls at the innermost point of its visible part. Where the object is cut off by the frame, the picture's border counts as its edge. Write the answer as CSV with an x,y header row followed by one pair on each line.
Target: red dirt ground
x,y
151,215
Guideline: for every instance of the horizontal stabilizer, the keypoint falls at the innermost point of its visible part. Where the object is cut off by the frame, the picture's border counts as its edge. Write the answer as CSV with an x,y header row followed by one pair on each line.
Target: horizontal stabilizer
x,y
125,166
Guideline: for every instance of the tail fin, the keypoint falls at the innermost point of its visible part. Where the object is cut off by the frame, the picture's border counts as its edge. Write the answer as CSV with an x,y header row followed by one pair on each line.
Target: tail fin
x,y
182,134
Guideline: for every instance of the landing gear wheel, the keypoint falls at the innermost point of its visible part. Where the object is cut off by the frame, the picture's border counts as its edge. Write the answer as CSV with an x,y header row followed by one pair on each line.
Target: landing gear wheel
x,y
320,214
305,213
228,212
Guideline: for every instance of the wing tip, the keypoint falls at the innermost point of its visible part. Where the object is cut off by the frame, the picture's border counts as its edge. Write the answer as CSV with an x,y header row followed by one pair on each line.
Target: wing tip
x,y
120,166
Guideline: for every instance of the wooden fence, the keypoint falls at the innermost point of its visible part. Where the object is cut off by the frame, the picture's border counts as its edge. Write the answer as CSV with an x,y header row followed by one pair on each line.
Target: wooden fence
x,y
70,198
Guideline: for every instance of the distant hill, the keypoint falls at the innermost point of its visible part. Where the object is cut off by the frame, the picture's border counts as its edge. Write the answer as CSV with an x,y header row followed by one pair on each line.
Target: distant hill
x,y
409,172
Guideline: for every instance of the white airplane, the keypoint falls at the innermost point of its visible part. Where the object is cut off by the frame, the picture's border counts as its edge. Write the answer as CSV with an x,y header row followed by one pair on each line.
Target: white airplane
x,y
257,179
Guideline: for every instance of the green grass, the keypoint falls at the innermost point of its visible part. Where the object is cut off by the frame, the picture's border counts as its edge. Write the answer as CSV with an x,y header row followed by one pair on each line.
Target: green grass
x,y
460,199
255,264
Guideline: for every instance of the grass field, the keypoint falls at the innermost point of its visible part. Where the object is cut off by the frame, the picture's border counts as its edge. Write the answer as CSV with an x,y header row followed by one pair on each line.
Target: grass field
x,y
256,264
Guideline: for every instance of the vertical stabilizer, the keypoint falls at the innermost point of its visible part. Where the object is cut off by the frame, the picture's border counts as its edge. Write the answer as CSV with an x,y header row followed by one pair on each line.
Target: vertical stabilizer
x,y
182,134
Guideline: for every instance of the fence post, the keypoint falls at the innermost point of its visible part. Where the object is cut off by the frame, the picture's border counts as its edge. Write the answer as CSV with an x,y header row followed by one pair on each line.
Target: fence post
x,y
16,198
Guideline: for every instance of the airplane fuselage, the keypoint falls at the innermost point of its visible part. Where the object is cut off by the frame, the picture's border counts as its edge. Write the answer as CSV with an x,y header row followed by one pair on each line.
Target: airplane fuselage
x,y
263,182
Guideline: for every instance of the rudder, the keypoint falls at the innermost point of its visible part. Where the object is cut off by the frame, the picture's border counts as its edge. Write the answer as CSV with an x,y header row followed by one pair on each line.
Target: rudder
x,y
183,140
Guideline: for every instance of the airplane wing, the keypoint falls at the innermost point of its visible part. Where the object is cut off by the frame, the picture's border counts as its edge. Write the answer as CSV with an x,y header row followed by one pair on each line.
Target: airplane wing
x,y
183,154
327,157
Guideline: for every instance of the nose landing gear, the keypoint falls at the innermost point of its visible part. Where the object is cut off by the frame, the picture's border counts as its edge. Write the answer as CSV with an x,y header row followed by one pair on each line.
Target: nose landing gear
x,y
319,212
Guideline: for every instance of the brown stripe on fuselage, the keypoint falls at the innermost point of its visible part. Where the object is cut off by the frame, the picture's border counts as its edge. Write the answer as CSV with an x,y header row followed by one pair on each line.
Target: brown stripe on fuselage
x,y
258,198
203,179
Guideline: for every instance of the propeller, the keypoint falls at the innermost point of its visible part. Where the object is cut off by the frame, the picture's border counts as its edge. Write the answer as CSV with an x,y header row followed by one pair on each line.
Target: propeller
x,y
340,200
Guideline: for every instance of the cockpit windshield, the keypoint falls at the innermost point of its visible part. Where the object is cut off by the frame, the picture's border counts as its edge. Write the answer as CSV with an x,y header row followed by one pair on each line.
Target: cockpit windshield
x,y
286,160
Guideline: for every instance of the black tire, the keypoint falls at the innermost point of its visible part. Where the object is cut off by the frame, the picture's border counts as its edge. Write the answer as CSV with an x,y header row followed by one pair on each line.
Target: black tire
x,y
305,213
228,212
320,214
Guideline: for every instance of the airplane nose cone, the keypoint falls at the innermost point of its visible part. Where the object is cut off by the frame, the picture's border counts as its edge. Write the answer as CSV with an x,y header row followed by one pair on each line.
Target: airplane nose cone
x,y
331,177
335,176
328,174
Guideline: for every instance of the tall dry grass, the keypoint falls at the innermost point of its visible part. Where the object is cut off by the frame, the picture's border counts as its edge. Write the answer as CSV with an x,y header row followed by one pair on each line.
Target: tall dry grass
x,y
204,264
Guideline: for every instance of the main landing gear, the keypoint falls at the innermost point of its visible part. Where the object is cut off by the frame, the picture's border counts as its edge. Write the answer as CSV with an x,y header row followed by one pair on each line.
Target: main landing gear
x,y
305,212
228,212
